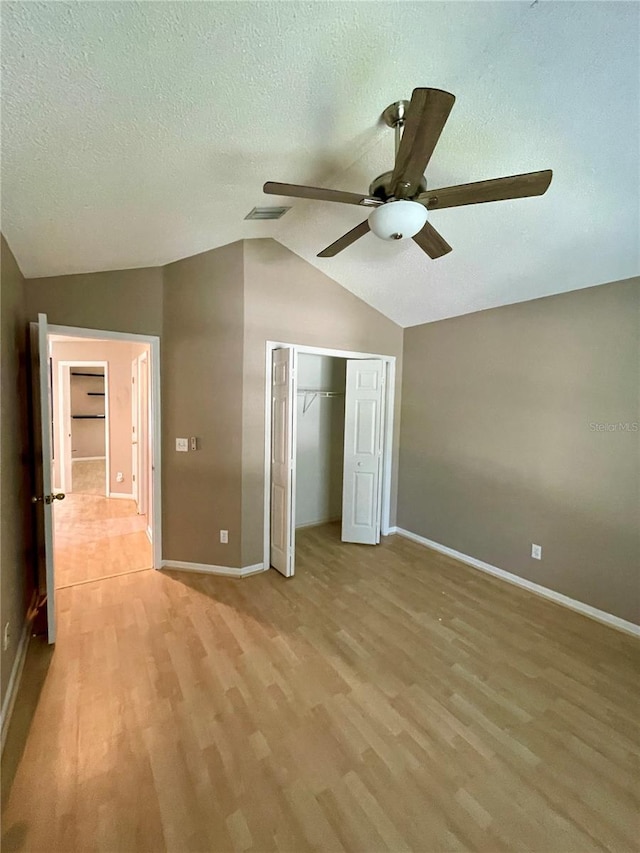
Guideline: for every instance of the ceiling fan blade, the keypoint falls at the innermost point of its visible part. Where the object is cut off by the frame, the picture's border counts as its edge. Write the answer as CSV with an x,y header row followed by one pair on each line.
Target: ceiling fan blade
x,y
498,189
426,116
346,240
320,194
431,242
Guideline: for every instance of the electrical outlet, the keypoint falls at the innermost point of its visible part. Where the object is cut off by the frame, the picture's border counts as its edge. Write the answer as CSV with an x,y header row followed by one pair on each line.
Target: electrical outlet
x,y
536,552
119,477
6,636
182,444
224,537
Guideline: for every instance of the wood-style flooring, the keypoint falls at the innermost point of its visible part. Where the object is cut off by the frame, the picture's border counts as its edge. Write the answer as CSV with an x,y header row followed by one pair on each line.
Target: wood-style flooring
x,y
385,698
96,537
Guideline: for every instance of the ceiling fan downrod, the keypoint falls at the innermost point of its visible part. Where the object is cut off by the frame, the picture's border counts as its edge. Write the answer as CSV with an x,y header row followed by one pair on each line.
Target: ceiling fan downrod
x,y
394,116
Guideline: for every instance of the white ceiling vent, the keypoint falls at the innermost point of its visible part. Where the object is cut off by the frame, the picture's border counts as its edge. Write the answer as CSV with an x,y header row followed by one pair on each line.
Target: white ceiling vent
x,y
267,212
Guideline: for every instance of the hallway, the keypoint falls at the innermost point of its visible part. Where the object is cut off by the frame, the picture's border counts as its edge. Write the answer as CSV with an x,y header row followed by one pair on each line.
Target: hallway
x,y
98,537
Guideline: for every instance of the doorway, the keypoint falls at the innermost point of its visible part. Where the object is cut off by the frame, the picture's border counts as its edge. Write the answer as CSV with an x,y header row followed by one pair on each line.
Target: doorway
x,y
100,458
80,424
329,427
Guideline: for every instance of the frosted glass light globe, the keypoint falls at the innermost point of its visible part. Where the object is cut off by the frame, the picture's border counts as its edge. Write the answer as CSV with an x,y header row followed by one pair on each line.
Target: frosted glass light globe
x,y
397,219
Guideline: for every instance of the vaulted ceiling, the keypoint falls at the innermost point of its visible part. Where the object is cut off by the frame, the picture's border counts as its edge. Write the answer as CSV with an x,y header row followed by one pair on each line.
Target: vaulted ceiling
x,y
134,134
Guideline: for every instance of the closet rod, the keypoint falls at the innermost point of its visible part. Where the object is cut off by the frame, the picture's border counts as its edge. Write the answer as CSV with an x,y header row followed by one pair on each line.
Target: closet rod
x,y
306,405
320,393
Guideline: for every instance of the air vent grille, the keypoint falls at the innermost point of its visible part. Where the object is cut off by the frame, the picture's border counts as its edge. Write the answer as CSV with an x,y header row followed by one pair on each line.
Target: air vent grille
x,y
267,212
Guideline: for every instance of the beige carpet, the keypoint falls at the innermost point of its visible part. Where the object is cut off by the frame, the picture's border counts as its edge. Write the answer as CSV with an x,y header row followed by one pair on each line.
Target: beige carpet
x,y
88,476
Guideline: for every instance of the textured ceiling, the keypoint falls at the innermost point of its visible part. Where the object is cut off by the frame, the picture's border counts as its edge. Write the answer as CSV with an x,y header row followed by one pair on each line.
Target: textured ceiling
x,y
134,134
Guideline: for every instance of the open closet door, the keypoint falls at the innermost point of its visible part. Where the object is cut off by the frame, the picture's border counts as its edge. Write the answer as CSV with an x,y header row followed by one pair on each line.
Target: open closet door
x,y
43,496
362,451
282,462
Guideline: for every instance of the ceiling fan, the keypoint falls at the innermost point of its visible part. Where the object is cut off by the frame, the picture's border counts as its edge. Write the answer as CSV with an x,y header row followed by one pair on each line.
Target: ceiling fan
x,y
401,199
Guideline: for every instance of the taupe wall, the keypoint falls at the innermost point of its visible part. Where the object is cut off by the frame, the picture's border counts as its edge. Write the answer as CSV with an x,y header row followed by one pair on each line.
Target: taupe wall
x,y
117,301
288,300
15,507
500,445
202,397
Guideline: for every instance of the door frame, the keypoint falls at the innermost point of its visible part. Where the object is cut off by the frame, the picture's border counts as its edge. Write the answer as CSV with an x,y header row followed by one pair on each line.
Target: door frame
x,y
389,362
155,435
135,431
140,491
64,424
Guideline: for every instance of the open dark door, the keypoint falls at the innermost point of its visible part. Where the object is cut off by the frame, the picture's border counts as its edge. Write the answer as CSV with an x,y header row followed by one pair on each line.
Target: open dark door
x,y
43,496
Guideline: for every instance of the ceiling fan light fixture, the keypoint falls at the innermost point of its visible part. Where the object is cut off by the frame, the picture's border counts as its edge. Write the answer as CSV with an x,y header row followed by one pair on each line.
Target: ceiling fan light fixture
x,y
397,220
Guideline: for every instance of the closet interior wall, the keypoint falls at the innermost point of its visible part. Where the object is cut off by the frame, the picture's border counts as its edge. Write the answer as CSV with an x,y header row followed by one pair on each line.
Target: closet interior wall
x,y
320,427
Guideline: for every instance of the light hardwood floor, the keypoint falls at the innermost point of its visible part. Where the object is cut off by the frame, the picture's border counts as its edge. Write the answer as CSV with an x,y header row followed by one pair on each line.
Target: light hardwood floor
x,y
385,698
97,537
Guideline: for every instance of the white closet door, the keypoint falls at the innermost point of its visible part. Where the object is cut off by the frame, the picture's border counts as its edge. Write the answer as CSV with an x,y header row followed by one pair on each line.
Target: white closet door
x,y
282,463
362,451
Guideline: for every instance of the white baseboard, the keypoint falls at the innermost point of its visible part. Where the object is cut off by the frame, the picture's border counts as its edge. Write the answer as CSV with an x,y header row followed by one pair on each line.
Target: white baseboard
x,y
14,680
121,495
149,535
206,569
306,524
545,592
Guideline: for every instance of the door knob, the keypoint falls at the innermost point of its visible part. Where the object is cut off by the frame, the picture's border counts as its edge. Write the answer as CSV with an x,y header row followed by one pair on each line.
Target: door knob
x,y
48,499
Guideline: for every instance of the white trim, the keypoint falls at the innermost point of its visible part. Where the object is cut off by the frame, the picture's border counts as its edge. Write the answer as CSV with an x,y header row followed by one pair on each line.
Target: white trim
x,y
14,680
87,458
579,606
126,496
206,569
134,430
387,473
319,523
387,459
149,535
156,413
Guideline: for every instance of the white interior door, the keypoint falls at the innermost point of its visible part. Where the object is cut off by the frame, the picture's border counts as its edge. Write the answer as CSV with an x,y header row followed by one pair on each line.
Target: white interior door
x,y
43,496
282,461
361,490
134,430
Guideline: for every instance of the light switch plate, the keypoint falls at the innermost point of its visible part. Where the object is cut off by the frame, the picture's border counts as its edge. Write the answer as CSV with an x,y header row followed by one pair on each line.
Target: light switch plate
x,y
182,444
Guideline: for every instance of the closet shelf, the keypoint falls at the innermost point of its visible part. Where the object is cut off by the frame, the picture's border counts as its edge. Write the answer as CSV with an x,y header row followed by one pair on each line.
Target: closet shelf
x,y
314,392
95,394
86,417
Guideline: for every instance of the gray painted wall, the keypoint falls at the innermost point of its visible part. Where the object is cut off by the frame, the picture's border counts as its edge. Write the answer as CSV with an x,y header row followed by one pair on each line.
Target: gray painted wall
x,y
202,397
498,449
16,575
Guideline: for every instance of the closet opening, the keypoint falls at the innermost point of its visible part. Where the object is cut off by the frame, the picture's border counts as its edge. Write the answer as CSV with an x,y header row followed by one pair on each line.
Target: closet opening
x,y
329,426
320,401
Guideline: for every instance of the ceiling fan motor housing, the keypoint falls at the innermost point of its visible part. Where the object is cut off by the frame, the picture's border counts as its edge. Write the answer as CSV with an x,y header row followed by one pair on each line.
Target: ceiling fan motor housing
x,y
381,186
